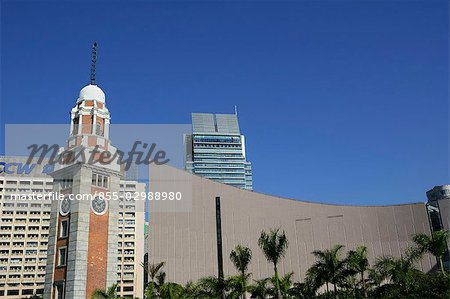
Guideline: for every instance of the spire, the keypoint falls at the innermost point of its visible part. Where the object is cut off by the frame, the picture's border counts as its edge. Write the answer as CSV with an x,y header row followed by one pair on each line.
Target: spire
x,y
93,62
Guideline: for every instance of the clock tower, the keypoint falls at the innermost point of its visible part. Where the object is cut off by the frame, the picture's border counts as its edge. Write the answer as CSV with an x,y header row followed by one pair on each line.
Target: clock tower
x,y
82,247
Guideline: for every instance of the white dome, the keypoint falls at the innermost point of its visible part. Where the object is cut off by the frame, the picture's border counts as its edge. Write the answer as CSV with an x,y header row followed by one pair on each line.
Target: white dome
x,y
91,92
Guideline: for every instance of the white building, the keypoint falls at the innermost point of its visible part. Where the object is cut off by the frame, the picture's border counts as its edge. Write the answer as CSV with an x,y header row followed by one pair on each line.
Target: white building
x,y
24,229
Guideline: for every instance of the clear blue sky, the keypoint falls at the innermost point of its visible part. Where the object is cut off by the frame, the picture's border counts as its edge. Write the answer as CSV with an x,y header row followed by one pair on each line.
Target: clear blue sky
x,y
341,101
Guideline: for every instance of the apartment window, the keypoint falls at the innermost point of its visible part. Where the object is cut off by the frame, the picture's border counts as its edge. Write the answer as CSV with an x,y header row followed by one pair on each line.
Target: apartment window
x,y
13,292
27,292
100,180
62,254
64,229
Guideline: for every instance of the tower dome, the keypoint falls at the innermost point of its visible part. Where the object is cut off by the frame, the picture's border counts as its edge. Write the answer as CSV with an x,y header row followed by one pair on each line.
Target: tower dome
x,y
91,92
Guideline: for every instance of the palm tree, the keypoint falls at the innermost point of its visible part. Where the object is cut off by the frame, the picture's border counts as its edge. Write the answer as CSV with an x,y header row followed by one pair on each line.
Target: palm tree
x,y
157,279
259,289
436,244
241,257
171,290
303,290
110,293
357,261
190,290
211,287
374,278
238,285
400,273
153,270
274,245
151,291
286,284
161,278
328,268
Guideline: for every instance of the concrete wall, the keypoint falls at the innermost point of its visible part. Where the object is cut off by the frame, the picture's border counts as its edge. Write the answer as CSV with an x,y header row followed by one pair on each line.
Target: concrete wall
x,y
186,240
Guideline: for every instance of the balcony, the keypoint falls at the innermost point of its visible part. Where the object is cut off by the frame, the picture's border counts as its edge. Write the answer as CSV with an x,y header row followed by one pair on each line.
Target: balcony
x,y
128,277
28,278
16,261
29,269
129,245
14,279
40,278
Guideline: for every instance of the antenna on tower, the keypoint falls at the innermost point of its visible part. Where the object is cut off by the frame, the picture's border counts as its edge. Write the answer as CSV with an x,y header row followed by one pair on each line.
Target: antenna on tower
x,y
235,110
93,62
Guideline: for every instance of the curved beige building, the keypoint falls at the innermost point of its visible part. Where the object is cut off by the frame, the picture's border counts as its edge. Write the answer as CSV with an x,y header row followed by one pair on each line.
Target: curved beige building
x,y
186,238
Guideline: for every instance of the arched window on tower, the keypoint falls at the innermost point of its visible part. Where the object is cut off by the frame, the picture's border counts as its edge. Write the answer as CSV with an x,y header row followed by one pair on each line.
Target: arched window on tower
x,y
76,121
99,127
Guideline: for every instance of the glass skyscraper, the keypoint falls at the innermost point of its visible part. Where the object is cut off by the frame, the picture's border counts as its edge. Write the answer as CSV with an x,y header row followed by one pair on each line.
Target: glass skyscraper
x,y
216,150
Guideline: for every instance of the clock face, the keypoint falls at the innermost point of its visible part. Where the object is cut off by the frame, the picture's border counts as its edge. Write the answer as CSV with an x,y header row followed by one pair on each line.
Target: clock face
x,y
64,208
99,205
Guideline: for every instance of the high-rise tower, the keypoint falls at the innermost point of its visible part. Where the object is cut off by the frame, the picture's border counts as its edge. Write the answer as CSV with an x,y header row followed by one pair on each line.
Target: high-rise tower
x,y
216,150
82,252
